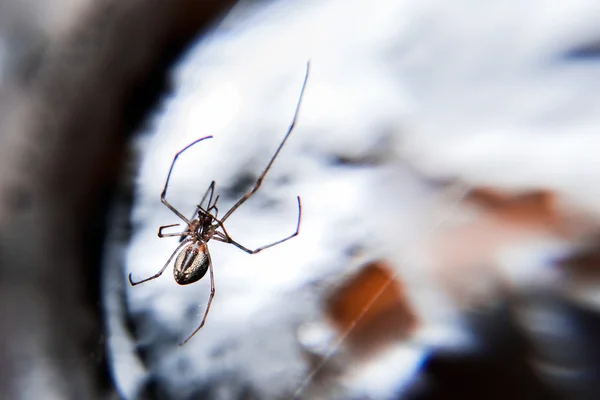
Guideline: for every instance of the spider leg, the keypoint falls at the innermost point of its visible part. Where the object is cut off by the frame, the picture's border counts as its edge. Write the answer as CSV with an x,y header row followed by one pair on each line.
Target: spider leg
x,y
164,192
207,211
285,138
225,238
159,273
214,207
211,189
182,234
162,235
210,299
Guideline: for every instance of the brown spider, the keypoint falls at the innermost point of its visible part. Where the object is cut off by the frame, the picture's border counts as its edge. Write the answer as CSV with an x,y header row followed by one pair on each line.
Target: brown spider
x,y
194,261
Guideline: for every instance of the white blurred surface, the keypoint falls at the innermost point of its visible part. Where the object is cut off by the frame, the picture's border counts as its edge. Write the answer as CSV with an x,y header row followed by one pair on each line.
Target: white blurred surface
x,y
463,89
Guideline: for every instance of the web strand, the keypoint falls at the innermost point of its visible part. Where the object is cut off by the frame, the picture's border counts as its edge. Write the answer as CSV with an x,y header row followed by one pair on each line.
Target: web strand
x,y
365,309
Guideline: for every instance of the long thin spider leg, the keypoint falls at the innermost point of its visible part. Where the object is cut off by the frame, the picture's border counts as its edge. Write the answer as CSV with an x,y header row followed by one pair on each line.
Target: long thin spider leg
x,y
225,238
216,210
159,273
210,299
182,234
160,228
203,211
214,207
162,235
164,192
214,217
285,138
211,189
207,211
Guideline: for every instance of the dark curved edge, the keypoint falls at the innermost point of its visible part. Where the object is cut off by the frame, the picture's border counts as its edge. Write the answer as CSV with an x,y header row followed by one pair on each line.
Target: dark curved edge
x,y
59,161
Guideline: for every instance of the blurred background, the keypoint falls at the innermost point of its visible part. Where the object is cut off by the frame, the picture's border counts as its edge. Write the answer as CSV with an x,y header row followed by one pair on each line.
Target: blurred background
x,y
446,158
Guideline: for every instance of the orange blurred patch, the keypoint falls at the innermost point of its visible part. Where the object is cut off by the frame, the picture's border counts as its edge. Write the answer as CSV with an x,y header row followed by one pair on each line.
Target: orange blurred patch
x,y
466,255
538,207
374,305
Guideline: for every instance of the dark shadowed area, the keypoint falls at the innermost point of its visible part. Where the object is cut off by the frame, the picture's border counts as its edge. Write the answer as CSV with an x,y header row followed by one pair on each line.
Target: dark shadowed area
x,y
70,95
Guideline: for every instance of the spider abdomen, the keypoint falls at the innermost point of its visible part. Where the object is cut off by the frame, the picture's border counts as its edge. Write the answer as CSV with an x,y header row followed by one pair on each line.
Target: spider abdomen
x,y
191,264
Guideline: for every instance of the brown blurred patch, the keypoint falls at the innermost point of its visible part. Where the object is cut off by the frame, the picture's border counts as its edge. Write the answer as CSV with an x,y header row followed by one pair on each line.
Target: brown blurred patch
x,y
509,219
538,207
584,265
374,305
466,256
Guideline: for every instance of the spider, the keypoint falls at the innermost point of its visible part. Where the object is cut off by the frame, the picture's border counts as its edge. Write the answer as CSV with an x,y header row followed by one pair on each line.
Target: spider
x,y
193,258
